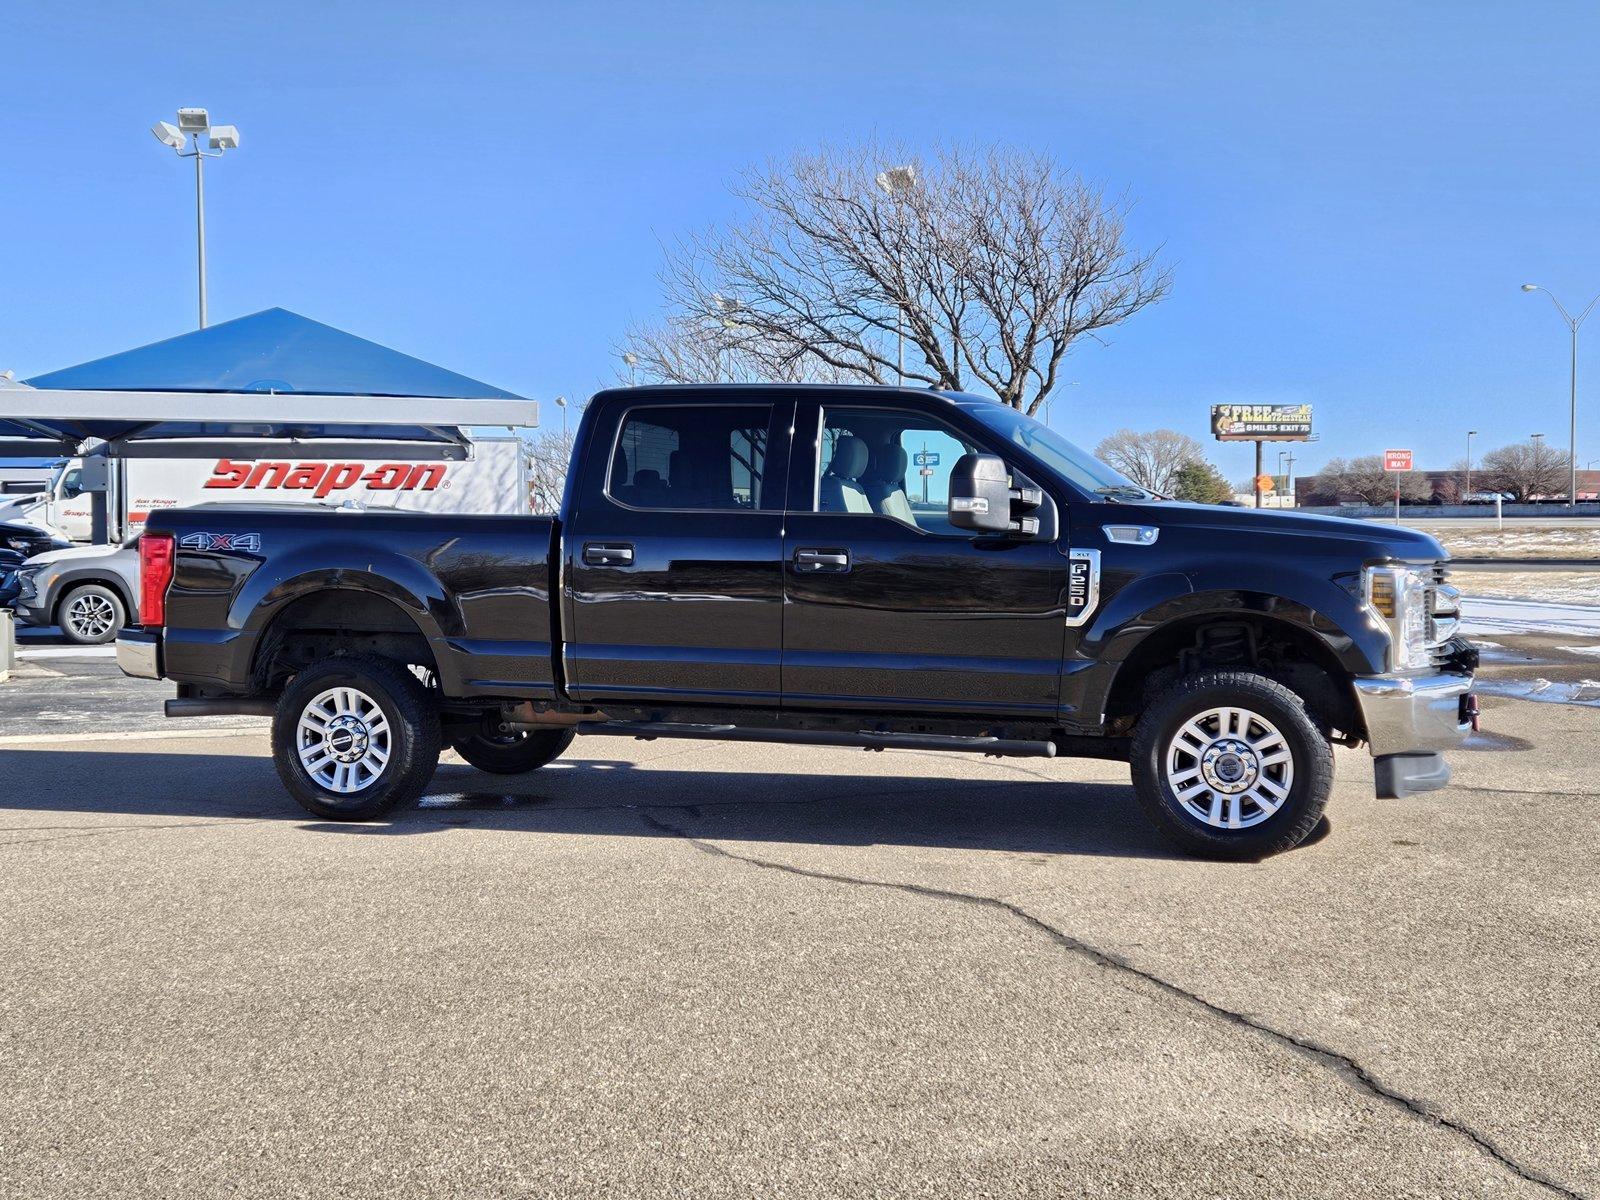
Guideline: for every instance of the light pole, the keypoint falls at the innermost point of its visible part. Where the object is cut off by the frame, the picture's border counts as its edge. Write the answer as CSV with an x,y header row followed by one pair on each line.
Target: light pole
x,y
1288,482
1572,429
896,181
561,403
195,123
1467,496
631,360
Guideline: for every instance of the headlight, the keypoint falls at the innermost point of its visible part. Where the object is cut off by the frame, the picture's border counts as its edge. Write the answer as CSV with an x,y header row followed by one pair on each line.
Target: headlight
x,y
1399,596
25,581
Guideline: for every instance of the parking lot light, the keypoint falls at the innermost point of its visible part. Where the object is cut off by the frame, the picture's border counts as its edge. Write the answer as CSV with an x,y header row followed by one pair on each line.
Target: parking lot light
x,y
194,125
1573,322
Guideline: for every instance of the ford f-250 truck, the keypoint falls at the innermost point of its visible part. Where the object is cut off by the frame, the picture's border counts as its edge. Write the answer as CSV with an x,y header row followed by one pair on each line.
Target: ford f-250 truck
x,y
872,567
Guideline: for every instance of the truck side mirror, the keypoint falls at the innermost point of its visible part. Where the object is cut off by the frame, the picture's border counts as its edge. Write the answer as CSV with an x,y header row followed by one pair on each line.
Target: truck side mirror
x,y
980,494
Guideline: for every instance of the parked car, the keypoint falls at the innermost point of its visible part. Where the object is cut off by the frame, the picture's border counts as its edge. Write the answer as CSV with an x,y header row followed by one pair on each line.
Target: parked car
x,y
10,560
764,564
91,592
28,537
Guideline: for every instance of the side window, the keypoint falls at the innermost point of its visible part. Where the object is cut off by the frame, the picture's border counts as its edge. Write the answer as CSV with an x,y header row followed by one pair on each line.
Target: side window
x,y
894,464
72,484
701,456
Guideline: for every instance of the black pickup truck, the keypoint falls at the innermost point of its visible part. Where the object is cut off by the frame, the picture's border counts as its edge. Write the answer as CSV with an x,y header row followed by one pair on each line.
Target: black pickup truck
x,y
871,567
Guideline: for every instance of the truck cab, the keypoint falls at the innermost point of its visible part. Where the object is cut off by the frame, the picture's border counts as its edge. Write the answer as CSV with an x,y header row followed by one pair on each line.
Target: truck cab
x,y
859,566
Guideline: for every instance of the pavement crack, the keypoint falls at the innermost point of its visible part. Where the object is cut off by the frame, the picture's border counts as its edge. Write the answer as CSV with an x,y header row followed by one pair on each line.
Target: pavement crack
x,y
1343,1065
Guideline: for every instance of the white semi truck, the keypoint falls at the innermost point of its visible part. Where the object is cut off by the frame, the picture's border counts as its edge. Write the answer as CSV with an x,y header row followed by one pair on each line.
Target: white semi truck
x,y
493,479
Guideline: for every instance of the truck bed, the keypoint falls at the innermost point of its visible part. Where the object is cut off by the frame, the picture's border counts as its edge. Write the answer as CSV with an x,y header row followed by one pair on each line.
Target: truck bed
x,y
476,589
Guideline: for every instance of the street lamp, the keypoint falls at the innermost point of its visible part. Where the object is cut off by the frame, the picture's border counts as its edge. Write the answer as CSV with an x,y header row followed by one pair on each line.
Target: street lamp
x,y
895,182
561,403
631,360
1467,498
1572,432
195,124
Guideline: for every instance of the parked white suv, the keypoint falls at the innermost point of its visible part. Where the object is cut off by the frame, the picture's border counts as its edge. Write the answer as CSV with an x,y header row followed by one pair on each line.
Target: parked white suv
x,y
91,592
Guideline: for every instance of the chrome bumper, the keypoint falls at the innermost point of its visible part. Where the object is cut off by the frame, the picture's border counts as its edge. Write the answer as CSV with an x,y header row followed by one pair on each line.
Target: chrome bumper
x,y
139,653
1413,714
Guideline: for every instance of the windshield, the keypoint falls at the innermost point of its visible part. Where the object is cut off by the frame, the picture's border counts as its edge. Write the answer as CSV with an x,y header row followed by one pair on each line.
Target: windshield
x,y
1056,452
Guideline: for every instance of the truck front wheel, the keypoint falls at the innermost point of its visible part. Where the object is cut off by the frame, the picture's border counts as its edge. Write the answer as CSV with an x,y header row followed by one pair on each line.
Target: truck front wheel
x,y
355,738
1229,764
512,753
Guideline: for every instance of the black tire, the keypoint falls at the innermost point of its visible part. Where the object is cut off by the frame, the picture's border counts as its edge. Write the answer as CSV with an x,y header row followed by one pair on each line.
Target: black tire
x,y
1310,757
413,737
91,614
513,753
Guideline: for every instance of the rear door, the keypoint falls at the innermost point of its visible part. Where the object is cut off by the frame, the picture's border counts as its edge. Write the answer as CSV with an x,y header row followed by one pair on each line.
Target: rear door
x,y
673,579
892,608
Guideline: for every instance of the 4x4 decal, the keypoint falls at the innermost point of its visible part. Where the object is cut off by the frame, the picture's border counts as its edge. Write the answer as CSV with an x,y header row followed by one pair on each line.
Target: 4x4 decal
x,y
245,543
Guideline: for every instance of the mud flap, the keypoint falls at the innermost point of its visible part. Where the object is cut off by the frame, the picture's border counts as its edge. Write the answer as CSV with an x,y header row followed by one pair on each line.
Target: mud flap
x,y
1400,775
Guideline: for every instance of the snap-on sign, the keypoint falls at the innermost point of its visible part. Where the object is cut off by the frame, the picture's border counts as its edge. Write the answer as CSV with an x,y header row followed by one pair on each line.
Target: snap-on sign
x,y
323,478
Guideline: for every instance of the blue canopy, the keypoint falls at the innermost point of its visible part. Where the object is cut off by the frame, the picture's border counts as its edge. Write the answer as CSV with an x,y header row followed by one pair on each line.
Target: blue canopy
x,y
271,351
395,398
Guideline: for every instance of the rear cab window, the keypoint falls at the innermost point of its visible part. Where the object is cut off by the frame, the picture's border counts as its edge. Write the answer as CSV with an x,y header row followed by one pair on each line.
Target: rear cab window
x,y
694,457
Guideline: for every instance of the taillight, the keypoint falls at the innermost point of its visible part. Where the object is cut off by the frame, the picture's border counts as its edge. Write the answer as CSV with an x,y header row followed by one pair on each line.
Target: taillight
x,y
155,575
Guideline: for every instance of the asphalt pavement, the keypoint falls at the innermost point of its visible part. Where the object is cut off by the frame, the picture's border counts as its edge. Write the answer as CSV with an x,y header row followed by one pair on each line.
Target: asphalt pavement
x,y
701,969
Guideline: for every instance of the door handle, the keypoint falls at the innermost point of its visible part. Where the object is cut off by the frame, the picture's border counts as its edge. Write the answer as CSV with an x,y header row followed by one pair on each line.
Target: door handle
x,y
608,554
812,561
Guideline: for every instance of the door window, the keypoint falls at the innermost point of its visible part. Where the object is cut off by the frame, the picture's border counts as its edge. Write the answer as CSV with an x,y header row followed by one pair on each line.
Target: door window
x,y
691,457
892,464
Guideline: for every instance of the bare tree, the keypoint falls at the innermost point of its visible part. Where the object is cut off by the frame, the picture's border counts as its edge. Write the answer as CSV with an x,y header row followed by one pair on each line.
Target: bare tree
x,y
548,456
1524,471
685,349
991,265
1152,460
1365,479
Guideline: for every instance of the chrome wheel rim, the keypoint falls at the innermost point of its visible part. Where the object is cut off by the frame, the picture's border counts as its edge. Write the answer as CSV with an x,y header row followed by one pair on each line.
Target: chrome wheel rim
x,y
1229,768
91,615
343,740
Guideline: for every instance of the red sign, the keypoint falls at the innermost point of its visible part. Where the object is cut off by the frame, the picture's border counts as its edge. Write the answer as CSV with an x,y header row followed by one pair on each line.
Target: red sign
x,y
321,478
1397,460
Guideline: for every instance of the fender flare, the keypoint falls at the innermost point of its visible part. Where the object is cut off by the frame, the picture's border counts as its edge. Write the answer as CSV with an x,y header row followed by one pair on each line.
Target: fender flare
x,y
402,581
1324,611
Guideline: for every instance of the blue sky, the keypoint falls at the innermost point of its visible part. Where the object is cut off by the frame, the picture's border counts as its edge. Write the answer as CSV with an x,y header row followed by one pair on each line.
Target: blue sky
x,y
1350,194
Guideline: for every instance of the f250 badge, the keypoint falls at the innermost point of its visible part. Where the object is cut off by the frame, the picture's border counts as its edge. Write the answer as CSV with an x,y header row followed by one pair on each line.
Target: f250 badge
x,y
1083,585
245,543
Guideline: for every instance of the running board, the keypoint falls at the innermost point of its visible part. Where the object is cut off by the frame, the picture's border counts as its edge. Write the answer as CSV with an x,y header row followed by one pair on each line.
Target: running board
x,y
996,747
242,706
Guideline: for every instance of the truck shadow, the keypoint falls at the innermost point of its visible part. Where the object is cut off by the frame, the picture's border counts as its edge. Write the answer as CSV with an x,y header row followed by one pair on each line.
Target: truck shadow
x,y
1022,811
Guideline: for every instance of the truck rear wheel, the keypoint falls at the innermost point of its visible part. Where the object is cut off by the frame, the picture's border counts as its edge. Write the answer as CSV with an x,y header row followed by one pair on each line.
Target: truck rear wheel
x,y
1229,764
512,753
355,738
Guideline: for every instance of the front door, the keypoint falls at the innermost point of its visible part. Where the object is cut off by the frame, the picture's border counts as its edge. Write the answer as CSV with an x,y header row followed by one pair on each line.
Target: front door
x,y
890,606
674,585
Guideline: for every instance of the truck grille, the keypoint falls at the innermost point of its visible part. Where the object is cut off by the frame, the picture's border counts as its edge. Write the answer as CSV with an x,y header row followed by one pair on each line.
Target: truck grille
x,y
1444,616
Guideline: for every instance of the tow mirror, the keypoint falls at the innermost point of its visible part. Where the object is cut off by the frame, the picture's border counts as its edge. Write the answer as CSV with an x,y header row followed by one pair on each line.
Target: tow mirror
x,y
980,494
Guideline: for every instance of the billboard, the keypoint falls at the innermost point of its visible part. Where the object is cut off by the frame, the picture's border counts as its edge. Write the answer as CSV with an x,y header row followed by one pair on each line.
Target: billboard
x,y
1261,422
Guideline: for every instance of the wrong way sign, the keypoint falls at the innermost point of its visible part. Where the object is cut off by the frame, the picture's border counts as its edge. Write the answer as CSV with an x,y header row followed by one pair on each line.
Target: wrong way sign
x,y
1397,460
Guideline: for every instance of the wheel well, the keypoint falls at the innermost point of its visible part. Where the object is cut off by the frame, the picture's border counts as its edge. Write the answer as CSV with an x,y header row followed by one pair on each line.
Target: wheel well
x,y
337,621
1293,656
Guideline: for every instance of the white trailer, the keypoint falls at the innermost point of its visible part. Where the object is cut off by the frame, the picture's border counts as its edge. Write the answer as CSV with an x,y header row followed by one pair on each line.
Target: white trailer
x,y
493,478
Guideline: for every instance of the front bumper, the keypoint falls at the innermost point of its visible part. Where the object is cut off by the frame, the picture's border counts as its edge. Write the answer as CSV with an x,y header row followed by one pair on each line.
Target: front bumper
x,y
1409,720
139,653
1411,714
